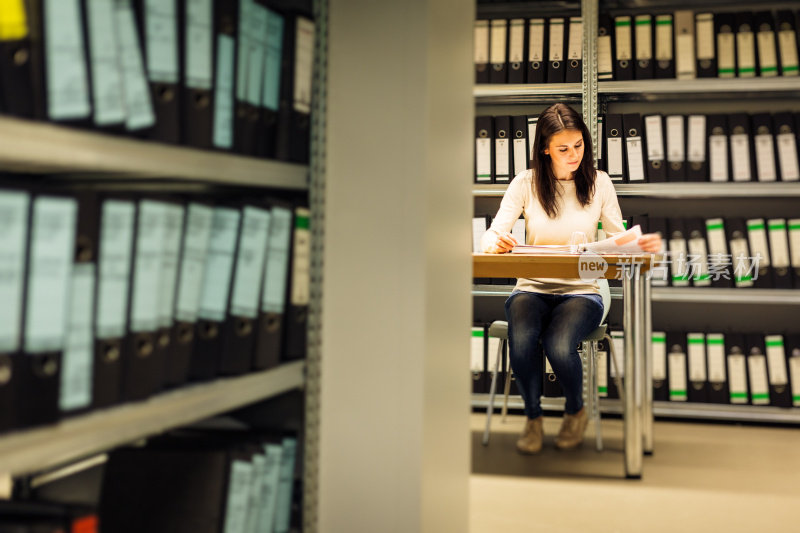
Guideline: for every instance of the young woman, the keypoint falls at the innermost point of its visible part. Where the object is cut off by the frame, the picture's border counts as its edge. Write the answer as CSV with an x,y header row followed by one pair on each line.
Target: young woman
x,y
561,193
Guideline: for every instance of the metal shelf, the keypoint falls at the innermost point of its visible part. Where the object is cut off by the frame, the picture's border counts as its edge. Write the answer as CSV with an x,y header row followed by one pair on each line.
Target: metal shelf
x,y
526,93
40,449
700,88
683,295
697,411
39,147
678,190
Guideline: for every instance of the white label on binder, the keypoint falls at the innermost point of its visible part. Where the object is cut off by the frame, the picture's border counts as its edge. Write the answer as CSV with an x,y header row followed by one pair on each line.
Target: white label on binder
x,y
272,467
193,261
147,266
520,155
601,369
250,262
767,55
13,241
759,385
741,262
199,44
219,264
617,367
635,164
794,372
285,483
301,258
677,377
679,265
659,343
599,143
76,368
256,496
664,38
776,360
52,247
715,353
273,54
536,44
107,96
697,138
478,229
738,378
501,149
516,41
778,243
726,55
575,45
715,232
699,257
138,104
476,350
757,236
161,34
704,26
481,42
303,65
483,151
605,65
114,267
787,156
531,134
675,143
169,263
655,139
685,62
66,75
615,156
223,92
256,50
740,155
277,264
718,157
696,347
556,39
794,241
765,158
622,35
746,54
787,44
644,37
548,369
241,473
497,47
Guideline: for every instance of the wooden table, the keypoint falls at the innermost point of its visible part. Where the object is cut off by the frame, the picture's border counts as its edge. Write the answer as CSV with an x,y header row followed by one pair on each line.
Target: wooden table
x,y
637,324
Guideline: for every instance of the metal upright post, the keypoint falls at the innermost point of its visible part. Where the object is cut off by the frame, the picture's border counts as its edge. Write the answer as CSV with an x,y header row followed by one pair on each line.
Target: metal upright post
x,y
589,9
632,410
647,339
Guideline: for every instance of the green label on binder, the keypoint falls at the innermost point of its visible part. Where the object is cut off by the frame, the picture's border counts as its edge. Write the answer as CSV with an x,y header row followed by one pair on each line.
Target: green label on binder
x,y
775,343
602,390
755,226
677,394
761,396
714,226
301,222
620,23
777,226
695,340
738,395
794,226
659,338
715,341
477,333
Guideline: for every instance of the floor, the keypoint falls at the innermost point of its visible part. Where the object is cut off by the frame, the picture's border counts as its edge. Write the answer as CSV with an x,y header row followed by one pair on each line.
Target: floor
x,y
701,477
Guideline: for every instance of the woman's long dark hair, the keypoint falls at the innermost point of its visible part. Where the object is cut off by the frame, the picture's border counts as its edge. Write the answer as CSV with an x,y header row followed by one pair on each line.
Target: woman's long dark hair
x,y
555,119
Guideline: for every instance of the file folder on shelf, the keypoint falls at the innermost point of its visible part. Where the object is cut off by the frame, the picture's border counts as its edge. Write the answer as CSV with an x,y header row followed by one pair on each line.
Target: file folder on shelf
x,y
296,323
696,138
717,376
294,129
676,364
665,61
614,152
269,333
574,59
767,53
15,211
698,252
685,49
267,129
197,90
704,37
678,250
623,41
718,167
502,149
739,392
537,65
605,48
786,26
478,358
654,139
644,66
697,391
194,253
725,30
742,157
498,45
16,64
676,147
764,147
793,361
757,370
786,140
780,259
745,46
760,253
140,114
632,132
660,386
794,248
742,268
519,148
719,260
103,55
50,264
516,51
159,36
251,33
780,392
174,225
556,45
481,51
484,149
224,102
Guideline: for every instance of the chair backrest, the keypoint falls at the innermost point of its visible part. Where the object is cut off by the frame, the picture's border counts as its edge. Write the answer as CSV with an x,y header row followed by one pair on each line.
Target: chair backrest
x,y
605,293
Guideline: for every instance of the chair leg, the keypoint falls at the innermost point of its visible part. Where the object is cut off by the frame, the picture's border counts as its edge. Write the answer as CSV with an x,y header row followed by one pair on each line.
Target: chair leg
x,y
506,391
492,389
598,432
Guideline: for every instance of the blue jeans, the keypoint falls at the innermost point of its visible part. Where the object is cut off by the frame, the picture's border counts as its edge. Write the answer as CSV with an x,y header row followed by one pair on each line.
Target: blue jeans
x,y
556,323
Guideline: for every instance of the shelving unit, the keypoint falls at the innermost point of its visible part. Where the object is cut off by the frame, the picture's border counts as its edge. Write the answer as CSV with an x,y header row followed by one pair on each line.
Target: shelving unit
x,y
679,190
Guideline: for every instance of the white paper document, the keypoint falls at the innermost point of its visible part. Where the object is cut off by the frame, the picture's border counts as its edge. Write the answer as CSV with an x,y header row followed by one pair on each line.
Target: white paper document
x,y
626,242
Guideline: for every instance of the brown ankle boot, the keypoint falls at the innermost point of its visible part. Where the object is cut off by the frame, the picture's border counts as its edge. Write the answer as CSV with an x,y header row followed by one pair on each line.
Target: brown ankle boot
x,y
572,428
531,440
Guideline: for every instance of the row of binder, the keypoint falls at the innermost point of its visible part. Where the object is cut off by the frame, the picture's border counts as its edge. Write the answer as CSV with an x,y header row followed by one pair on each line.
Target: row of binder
x,y
112,296
737,252
684,44
697,367
203,482
635,148
232,75
45,517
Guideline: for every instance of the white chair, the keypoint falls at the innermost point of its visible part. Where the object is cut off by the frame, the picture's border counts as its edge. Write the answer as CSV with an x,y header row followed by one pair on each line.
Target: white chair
x,y
499,329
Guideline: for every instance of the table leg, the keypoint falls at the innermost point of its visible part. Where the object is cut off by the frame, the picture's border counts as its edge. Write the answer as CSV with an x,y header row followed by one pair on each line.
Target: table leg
x,y
632,409
647,425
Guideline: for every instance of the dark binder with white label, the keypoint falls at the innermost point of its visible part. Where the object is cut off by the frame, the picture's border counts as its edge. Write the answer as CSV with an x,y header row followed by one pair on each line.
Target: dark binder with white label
x,y
717,391
644,66
498,51
481,44
725,30
736,358
574,57
786,27
516,51
705,45
484,149
537,60
655,148
197,59
556,47
697,391
623,48
294,128
780,392
296,323
676,147
677,360
503,164
696,140
741,147
665,58
718,157
634,155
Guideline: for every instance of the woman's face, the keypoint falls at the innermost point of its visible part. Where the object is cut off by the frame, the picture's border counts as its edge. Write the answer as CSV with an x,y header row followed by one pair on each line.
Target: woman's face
x,y
566,152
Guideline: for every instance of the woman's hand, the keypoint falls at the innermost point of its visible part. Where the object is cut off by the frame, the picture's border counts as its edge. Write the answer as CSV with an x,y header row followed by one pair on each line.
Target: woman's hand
x,y
504,243
650,242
